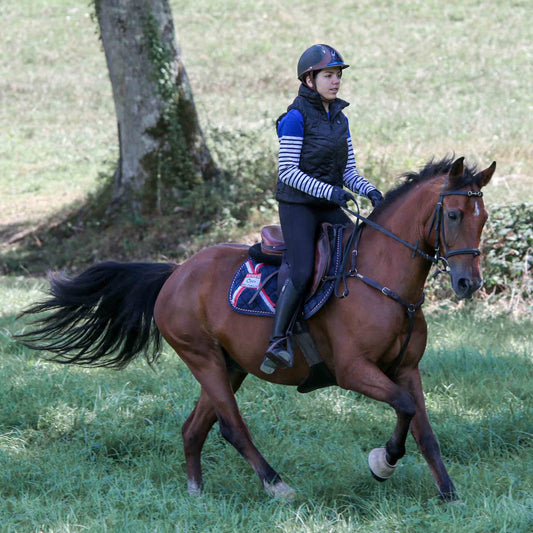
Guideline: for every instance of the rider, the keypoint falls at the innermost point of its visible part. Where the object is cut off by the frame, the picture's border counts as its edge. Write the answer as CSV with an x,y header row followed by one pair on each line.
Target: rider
x,y
315,160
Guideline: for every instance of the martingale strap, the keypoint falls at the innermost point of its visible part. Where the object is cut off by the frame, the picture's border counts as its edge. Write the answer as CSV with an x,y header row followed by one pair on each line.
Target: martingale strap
x,y
410,308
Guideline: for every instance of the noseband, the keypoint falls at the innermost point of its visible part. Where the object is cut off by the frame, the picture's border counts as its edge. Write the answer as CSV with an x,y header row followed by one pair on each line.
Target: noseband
x,y
437,223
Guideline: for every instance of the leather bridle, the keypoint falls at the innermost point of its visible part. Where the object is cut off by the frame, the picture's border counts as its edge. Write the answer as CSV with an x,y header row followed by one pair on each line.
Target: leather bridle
x,y
440,239
439,258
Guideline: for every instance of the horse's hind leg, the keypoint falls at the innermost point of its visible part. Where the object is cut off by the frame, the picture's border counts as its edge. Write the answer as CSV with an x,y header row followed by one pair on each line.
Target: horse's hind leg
x,y
195,431
207,364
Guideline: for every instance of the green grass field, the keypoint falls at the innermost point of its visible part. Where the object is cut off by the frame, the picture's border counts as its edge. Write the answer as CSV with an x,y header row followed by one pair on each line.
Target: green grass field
x,y
427,78
98,450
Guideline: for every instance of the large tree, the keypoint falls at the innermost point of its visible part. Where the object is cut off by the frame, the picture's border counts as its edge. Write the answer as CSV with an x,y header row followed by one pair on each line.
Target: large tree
x,y
162,149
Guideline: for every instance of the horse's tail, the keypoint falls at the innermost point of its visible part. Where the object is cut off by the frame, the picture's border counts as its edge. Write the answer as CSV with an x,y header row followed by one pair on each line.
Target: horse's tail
x,y
103,317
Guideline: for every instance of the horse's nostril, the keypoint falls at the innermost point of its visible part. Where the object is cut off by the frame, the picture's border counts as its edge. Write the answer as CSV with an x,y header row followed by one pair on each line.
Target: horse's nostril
x,y
464,288
464,284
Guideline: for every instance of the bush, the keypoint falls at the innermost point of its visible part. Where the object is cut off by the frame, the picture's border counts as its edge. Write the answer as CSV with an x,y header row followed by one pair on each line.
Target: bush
x,y
507,249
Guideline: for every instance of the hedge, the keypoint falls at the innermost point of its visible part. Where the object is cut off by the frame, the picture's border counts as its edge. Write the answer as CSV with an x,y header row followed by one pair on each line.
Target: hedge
x,y
507,249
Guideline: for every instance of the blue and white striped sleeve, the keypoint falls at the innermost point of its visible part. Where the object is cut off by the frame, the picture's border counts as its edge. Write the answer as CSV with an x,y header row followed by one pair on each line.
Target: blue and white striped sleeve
x,y
291,133
352,179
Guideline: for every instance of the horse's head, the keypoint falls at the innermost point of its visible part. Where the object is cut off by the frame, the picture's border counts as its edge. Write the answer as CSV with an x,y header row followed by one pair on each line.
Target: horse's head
x,y
457,224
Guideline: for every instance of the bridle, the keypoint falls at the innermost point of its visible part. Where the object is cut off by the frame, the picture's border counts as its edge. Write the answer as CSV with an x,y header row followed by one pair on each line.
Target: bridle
x,y
440,258
437,223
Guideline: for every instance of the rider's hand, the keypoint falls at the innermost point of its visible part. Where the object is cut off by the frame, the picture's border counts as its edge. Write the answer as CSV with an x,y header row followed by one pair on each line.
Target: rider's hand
x,y
341,197
375,197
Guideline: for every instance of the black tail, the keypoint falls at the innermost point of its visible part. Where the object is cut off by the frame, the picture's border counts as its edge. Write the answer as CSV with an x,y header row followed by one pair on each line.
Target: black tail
x,y
103,317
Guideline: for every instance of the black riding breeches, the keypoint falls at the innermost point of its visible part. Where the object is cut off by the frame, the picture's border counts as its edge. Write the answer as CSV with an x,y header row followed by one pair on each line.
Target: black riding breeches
x,y
300,224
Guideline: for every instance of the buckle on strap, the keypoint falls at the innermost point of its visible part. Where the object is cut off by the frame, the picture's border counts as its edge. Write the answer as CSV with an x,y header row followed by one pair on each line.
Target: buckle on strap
x,y
442,266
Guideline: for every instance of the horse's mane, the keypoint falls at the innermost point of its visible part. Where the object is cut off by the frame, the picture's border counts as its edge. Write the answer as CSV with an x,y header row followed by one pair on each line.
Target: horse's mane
x,y
431,169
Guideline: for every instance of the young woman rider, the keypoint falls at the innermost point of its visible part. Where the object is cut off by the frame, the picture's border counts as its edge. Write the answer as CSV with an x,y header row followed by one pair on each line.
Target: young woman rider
x,y
316,160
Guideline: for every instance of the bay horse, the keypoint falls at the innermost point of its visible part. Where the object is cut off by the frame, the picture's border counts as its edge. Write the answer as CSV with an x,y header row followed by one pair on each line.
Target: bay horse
x,y
113,311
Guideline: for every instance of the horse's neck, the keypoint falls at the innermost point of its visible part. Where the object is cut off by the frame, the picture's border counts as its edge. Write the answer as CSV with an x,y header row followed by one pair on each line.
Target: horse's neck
x,y
390,262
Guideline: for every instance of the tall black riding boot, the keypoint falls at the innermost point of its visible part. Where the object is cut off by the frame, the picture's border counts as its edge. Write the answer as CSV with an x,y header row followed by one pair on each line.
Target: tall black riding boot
x,y
279,351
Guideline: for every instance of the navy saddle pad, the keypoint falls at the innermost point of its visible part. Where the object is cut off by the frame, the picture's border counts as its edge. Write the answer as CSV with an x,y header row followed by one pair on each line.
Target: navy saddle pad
x,y
253,290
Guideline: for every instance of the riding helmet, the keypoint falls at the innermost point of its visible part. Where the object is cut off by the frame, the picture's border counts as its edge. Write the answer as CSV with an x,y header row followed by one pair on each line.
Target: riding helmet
x,y
318,57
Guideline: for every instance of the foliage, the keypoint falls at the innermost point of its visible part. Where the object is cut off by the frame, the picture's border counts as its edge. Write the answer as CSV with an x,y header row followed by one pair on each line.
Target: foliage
x,y
249,176
173,164
508,249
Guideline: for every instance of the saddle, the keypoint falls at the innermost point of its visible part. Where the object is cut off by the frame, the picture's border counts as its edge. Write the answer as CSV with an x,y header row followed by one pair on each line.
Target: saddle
x,y
272,246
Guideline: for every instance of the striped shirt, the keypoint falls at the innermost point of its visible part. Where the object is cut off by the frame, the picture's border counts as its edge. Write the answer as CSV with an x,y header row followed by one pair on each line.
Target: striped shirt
x,y
290,134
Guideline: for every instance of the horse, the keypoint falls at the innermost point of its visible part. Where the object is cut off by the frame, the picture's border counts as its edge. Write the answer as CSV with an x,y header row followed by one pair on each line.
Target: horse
x,y
371,341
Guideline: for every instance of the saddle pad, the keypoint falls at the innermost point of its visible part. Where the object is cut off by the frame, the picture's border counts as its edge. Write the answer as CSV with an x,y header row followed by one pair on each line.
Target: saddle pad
x,y
253,290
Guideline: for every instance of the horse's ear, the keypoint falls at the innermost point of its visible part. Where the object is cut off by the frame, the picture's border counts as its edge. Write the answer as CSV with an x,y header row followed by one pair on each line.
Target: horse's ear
x,y
483,177
456,172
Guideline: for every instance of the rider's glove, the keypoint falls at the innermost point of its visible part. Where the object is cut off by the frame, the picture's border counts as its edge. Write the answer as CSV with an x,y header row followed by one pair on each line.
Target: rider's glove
x,y
341,197
375,197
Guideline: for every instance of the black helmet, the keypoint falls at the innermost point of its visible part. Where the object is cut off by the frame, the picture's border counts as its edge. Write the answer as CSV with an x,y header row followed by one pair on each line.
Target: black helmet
x,y
317,57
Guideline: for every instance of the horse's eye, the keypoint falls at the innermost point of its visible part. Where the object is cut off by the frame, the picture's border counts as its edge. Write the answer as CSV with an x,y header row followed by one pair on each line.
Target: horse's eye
x,y
454,215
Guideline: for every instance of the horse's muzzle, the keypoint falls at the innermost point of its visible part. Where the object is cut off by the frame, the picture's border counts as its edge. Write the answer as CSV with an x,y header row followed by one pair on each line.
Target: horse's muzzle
x,y
465,287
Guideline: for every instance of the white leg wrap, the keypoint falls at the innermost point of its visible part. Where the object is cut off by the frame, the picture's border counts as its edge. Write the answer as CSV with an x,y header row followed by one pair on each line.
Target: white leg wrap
x,y
280,490
377,461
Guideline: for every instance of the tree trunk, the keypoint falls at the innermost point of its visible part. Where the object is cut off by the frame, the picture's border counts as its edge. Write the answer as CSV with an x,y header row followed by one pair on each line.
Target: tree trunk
x,y
162,149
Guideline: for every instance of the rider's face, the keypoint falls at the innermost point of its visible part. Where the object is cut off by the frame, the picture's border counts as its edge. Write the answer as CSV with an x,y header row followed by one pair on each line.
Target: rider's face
x,y
328,82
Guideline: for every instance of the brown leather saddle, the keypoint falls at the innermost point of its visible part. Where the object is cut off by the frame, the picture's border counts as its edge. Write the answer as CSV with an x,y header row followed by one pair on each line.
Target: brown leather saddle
x,y
272,244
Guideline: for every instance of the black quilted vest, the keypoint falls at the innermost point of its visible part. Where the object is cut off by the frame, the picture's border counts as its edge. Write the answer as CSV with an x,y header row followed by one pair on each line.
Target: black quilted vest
x,y
324,150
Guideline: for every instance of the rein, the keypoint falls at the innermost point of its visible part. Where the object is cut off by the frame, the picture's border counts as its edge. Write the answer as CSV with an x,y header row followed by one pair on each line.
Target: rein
x,y
437,259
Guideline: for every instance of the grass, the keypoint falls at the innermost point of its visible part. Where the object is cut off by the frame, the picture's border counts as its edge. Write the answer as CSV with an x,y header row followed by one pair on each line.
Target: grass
x,y
100,450
427,78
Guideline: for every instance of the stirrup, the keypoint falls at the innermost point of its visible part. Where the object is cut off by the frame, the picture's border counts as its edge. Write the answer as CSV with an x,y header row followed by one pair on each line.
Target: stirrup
x,y
277,355
280,352
268,366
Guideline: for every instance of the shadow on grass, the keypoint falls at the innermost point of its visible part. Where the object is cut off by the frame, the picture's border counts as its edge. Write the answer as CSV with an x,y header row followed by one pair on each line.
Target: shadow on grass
x,y
79,236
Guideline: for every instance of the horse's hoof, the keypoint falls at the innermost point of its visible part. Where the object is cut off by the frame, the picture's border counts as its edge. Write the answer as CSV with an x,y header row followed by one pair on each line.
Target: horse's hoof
x,y
280,490
451,497
379,467
194,488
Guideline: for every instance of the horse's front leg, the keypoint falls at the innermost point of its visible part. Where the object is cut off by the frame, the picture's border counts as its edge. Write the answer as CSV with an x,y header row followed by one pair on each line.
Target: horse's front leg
x,y
426,441
366,378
